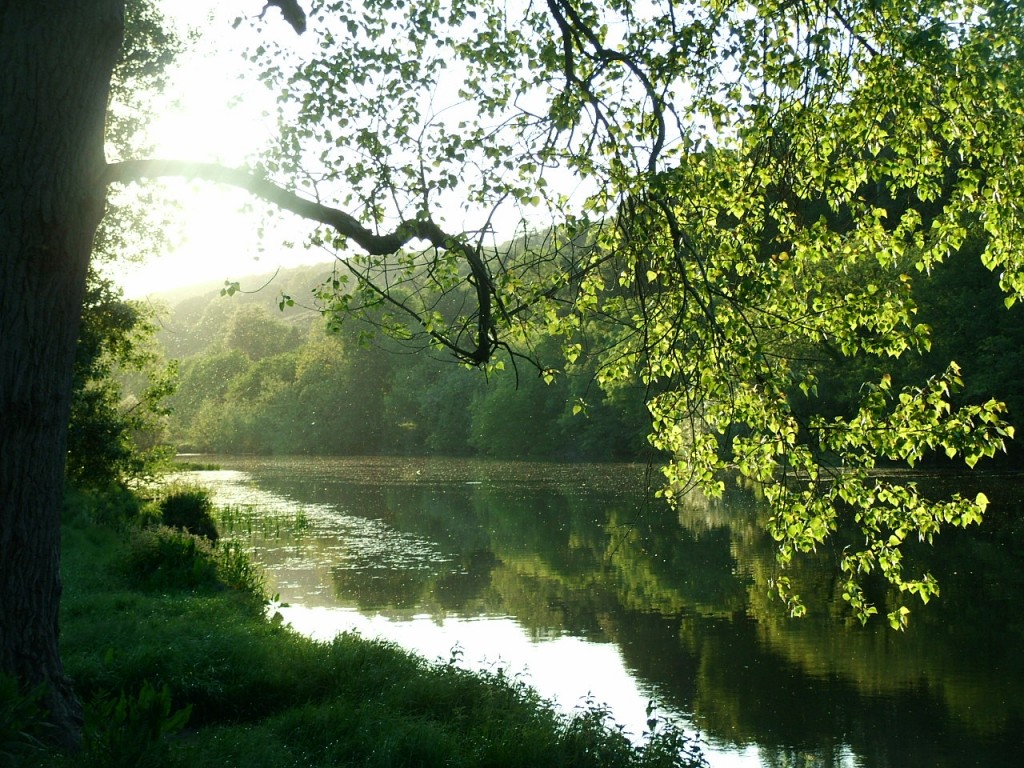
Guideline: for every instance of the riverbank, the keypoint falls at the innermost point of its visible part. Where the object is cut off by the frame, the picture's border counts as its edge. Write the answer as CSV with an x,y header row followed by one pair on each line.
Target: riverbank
x,y
147,645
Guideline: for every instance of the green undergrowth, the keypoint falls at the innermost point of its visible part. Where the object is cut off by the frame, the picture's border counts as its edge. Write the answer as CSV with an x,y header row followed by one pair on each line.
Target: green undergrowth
x,y
184,668
184,465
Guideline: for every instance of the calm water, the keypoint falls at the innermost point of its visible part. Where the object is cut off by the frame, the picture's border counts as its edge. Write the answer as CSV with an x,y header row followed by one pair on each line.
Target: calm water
x,y
572,578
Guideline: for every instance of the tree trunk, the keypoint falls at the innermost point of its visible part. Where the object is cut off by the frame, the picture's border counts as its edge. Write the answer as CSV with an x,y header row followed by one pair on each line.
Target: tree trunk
x,y
56,60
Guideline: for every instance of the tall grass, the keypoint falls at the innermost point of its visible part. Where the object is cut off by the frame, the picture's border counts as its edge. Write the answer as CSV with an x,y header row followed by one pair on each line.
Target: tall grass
x,y
250,520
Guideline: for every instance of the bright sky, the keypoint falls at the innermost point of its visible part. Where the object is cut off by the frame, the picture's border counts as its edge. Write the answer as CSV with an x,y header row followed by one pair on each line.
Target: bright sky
x,y
210,114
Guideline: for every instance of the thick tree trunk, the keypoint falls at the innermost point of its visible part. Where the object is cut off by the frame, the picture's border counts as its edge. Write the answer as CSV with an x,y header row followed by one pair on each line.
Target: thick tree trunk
x,y
56,59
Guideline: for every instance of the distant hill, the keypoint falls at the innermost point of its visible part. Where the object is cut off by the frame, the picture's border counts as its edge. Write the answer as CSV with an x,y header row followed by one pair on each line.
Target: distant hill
x,y
197,314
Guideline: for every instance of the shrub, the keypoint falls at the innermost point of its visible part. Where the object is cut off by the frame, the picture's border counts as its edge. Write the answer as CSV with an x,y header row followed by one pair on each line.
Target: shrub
x,y
189,508
165,557
113,507
169,558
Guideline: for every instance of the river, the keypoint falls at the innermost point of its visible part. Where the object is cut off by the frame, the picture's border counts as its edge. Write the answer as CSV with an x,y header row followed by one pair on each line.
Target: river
x,y
573,578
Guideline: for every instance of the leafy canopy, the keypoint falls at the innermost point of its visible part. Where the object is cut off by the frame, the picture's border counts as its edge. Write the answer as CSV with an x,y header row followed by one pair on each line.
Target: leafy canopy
x,y
743,194
113,425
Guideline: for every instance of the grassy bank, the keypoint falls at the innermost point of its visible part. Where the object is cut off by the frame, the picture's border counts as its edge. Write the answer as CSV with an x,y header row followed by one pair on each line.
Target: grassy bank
x,y
158,626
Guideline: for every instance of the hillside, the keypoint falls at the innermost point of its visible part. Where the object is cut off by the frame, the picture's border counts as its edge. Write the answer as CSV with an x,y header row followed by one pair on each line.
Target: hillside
x,y
199,313
256,378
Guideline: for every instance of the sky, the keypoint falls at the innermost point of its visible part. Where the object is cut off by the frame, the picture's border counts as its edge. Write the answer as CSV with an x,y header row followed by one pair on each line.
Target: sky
x,y
209,113
214,111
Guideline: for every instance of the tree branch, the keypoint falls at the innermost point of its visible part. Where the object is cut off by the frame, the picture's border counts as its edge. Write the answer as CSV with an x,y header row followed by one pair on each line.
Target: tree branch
x,y
345,224
291,12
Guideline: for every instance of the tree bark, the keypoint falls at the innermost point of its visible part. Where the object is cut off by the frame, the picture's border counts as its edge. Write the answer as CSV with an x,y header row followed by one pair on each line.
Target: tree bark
x,y
56,60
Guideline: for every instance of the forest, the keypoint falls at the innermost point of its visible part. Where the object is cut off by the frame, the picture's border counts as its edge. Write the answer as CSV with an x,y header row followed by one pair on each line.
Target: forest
x,y
256,376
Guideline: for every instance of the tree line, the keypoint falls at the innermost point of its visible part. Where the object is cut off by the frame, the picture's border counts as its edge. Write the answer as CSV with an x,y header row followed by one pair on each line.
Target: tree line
x,y
258,376
256,379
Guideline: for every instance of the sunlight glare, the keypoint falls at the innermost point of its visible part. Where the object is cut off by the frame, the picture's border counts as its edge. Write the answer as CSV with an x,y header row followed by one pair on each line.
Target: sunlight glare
x,y
212,111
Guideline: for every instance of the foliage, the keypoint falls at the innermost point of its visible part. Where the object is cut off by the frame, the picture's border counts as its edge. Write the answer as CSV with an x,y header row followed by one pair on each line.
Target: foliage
x,y
114,435
148,50
189,508
22,721
135,225
129,732
116,424
764,187
344,391
253,332
161,557
205,379
113,506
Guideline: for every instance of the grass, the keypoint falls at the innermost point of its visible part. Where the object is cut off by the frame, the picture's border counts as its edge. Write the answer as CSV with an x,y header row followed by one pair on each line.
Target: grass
x,y
184,465
149,654
248,519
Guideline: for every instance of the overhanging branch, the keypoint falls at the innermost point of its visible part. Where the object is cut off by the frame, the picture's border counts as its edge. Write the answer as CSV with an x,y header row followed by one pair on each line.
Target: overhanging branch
x,y
345,224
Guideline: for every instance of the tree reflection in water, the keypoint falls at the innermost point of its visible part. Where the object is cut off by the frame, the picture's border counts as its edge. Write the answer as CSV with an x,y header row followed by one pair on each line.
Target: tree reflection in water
x,y
679,602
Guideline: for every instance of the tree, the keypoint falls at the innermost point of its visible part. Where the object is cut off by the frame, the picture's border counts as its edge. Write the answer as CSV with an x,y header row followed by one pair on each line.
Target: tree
x,y
703,134
112,431
765,181
58,59
254,332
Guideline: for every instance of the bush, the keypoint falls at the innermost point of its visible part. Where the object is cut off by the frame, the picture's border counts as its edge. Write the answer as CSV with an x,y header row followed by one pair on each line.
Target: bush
x,y
189,508
163,557
113,507
169,558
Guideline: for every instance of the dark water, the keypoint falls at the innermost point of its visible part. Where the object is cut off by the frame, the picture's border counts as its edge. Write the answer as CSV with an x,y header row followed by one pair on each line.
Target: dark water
x,y
574,578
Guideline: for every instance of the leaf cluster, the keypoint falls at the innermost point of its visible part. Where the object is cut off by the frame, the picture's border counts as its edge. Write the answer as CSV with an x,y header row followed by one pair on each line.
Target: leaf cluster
x,y
120,386
762,187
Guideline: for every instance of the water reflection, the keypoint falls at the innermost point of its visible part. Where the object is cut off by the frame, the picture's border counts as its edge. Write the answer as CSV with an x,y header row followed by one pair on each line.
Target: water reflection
x,y
571,574
565,668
